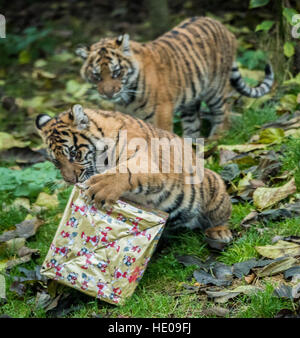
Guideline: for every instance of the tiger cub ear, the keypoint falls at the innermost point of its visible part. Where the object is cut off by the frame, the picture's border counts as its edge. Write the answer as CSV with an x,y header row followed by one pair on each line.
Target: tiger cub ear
x,y
41,120
124,42
78,116
82,51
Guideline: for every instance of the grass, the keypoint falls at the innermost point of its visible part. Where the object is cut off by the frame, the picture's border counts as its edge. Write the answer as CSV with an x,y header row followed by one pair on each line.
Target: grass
x,y
244,126
263,304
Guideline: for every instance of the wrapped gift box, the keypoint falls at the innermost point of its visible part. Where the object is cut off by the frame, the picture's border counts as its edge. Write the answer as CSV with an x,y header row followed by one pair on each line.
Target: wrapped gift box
x,y
103,253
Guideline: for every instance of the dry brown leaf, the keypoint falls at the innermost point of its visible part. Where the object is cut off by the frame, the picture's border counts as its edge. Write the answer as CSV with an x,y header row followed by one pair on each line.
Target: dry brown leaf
x,y
277,267
250,278
24,229
243,148
281,248
266,197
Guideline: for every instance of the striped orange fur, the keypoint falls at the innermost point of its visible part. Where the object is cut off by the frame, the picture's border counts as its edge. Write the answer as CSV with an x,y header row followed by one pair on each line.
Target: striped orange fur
x,y
77,139
191,64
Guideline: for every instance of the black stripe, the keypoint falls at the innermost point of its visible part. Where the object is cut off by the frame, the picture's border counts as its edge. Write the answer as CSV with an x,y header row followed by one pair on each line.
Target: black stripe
x,y
140,187
176,203
217,207
177,55
186,62
199,73
149,116
129,179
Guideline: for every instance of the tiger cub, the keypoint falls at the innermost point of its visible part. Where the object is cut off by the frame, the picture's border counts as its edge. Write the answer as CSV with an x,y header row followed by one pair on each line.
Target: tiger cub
x,y
191,64
114,155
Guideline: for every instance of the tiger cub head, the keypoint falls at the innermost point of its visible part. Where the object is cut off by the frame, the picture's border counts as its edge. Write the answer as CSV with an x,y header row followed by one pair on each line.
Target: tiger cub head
x,y
70,145
110,65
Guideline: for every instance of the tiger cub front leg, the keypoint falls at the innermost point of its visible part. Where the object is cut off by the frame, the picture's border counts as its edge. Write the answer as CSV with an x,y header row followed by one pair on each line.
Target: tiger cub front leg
x,y
163,117
220,233
107,188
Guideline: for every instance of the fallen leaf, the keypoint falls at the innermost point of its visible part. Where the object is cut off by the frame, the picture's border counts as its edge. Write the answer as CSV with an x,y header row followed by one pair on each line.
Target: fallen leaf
x,y
216,311
224,295
278,266
243,148
292,273
53,304
293,239
271,135
42,300
242,269
250,219
24,251
286,211
47,201
244,182
17,261
287,313
18,288
187,260
285,122
40,73
266,197
12,246
205,278
268,166
226,156
286,291
222,271
230,172
288,103
66,304
31,275
250,278
281,248
21,202
24,229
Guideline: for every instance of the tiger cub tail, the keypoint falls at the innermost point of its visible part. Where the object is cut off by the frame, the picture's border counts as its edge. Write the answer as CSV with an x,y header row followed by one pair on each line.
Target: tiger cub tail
x,y
240,85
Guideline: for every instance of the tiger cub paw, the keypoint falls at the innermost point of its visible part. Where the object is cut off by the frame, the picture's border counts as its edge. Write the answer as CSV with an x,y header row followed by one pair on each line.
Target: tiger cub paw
x,y
104,189
219,233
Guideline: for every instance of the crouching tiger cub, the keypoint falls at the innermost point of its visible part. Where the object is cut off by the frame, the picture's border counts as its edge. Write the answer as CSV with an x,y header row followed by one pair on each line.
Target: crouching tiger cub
x,y
115,156
192,63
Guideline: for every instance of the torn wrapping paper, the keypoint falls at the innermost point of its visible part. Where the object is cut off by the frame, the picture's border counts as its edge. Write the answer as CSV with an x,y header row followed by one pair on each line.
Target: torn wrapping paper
x,y
103,253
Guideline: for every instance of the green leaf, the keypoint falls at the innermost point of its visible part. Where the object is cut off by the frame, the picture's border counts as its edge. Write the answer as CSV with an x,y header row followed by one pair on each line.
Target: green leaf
x,y
288,13
271,135
24,57
258,3
288,49
293,81
265,26
288,102
30,181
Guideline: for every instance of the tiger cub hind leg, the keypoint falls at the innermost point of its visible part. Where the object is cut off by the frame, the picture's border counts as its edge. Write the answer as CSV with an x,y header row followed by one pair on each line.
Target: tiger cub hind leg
x,y
217,107
191,122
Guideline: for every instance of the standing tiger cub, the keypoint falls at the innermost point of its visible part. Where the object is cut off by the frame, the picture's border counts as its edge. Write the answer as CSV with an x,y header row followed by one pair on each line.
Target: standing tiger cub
x,y
88,147
192,63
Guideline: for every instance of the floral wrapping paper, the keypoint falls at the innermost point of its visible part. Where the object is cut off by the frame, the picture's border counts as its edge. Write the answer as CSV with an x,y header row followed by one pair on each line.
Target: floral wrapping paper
x,y
103,253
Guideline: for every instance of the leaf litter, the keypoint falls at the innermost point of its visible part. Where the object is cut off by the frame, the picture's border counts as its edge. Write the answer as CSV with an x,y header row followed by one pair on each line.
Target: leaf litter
x,y
215,277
